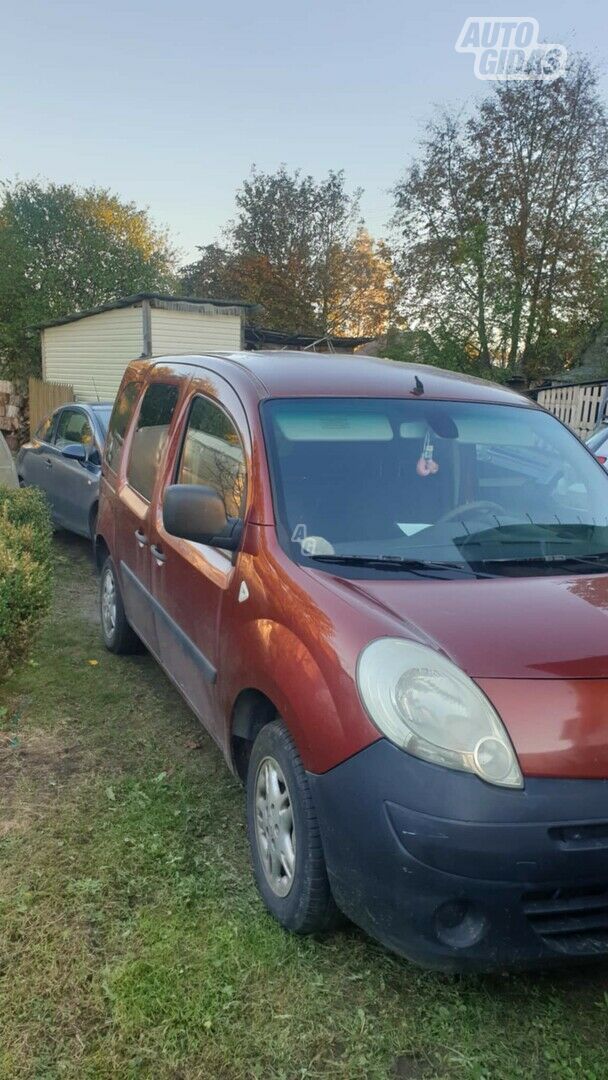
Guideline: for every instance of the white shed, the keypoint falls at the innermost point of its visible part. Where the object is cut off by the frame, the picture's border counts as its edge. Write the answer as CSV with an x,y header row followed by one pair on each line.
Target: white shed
x,y
90,350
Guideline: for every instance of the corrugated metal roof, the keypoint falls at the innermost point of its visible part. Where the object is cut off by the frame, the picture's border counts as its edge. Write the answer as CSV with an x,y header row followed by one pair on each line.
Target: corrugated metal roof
x,y
258,335
137,298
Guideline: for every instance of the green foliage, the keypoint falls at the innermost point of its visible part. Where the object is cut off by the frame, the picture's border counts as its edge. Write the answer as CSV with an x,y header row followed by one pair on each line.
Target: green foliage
x,y
297,249
440,350
25,571
500,230
63,249
28,508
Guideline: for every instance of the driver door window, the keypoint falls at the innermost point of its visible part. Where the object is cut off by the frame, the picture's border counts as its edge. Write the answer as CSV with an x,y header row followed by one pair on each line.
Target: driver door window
x,y
212,455
73,427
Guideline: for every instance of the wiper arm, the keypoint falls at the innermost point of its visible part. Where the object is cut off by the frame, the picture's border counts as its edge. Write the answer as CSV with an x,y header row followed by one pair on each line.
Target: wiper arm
x,y
532,560
392,562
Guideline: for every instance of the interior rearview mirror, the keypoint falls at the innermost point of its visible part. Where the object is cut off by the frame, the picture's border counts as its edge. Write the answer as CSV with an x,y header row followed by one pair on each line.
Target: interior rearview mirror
x,y
195,512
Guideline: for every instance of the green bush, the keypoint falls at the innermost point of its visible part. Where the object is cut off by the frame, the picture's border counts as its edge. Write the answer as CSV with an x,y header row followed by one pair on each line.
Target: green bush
x,y
25,571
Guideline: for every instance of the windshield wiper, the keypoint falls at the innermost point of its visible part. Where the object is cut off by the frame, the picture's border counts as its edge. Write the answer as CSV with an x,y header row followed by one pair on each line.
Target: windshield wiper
x,y
395,562
541,560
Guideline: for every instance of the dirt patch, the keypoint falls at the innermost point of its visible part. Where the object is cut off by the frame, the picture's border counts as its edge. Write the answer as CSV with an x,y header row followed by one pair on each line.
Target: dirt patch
x,y
13,825
409,1067
34,769
79,586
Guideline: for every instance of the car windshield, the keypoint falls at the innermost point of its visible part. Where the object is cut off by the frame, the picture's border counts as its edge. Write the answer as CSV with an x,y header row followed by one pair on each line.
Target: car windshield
x,y
363,487
102,415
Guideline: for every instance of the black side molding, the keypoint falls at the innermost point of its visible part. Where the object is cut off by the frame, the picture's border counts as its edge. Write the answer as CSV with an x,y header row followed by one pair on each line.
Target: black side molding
x,y
208,671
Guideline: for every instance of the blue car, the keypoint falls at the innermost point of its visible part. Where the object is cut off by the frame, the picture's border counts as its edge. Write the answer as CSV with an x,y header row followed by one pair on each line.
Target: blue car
x,y
64,459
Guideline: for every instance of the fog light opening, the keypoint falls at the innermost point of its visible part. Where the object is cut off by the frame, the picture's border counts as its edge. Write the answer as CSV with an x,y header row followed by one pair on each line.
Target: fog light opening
x,y
459,924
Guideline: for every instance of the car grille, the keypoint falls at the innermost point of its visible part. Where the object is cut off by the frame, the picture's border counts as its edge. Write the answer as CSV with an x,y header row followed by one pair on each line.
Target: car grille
x,y
573,921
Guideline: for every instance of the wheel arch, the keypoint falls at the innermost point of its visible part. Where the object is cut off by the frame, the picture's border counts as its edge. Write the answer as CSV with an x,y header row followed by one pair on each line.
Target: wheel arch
x,y
251,712
101,551
308,685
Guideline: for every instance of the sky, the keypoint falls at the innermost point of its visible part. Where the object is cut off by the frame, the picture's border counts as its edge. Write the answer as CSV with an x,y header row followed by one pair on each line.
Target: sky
x,y
170,105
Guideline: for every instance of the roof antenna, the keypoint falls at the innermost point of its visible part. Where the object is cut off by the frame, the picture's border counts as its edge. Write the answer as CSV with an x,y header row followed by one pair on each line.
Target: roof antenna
x,y
418,387
96,390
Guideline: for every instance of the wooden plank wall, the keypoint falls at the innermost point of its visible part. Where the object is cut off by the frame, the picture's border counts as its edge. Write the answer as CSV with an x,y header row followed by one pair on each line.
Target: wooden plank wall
x,y
44,397
577,406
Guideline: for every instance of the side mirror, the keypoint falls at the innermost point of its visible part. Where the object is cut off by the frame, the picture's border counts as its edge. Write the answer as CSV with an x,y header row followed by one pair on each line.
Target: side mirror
x,y
75,452
194,512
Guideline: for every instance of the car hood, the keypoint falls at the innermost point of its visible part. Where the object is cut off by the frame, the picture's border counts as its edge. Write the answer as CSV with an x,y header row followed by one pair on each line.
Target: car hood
x,y
511,628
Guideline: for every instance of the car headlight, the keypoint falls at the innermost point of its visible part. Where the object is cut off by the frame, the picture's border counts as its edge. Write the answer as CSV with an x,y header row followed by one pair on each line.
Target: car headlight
x,y
425,704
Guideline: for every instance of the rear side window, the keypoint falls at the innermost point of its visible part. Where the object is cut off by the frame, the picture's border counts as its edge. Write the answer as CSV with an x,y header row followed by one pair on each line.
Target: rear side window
x,y
150,437
213,455
119,422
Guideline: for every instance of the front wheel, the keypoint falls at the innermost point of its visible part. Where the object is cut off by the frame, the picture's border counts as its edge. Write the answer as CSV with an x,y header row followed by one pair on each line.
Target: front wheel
x,y
117,635
284,838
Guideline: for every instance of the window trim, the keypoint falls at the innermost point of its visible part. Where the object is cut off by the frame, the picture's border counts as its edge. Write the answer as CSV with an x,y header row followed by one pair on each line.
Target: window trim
x,y
178,458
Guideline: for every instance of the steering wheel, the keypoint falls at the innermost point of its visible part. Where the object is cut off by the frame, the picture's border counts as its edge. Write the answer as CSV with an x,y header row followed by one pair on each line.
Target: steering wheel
x,y
464,509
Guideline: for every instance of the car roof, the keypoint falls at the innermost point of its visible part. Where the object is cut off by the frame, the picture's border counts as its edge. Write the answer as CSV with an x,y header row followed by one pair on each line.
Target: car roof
x,y
88,406
309,374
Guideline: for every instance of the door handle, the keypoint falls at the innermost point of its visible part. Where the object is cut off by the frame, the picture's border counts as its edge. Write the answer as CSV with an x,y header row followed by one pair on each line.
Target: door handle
x,y
158,553
141,538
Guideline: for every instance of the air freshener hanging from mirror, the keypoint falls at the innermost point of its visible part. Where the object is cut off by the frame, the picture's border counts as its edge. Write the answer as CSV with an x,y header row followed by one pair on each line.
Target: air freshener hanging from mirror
x,y
426,465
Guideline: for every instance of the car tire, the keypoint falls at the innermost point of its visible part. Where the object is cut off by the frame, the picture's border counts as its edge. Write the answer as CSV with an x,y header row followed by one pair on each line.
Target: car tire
x,y
118,636
280,809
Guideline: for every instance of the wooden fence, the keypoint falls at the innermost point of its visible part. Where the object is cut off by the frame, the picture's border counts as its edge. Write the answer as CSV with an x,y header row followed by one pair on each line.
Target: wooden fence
x,y
581,407
44,397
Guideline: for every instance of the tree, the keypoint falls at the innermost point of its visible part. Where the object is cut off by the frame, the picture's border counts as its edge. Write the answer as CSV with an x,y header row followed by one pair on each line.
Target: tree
x,y
63,250
500,226
363,300
296,248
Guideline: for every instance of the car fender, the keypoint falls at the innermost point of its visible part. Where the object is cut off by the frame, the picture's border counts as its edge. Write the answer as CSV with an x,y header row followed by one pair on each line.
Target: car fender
x,y
269,657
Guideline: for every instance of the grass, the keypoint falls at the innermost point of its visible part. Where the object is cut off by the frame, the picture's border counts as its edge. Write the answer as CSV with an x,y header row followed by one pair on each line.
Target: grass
x,y
133,943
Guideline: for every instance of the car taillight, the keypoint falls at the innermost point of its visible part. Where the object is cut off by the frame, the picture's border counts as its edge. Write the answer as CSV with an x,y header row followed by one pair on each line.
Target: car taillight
x,y
602,460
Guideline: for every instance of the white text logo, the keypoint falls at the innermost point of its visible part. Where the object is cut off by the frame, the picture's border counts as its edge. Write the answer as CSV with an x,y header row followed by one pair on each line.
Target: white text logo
x,y
507,47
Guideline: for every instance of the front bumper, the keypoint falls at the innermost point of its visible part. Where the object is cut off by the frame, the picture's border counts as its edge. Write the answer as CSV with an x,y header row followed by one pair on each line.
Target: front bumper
x,y
459,875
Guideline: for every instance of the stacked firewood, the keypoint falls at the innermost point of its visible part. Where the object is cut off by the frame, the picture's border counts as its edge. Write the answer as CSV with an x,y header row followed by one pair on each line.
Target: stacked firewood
x,y
13,414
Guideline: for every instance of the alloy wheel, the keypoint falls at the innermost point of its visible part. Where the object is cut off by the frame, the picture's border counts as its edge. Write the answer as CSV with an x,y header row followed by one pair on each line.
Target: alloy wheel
x,y
274,826
108,604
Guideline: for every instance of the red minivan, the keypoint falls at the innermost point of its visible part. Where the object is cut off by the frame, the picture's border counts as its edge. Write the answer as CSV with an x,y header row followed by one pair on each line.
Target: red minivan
x,y
383,589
